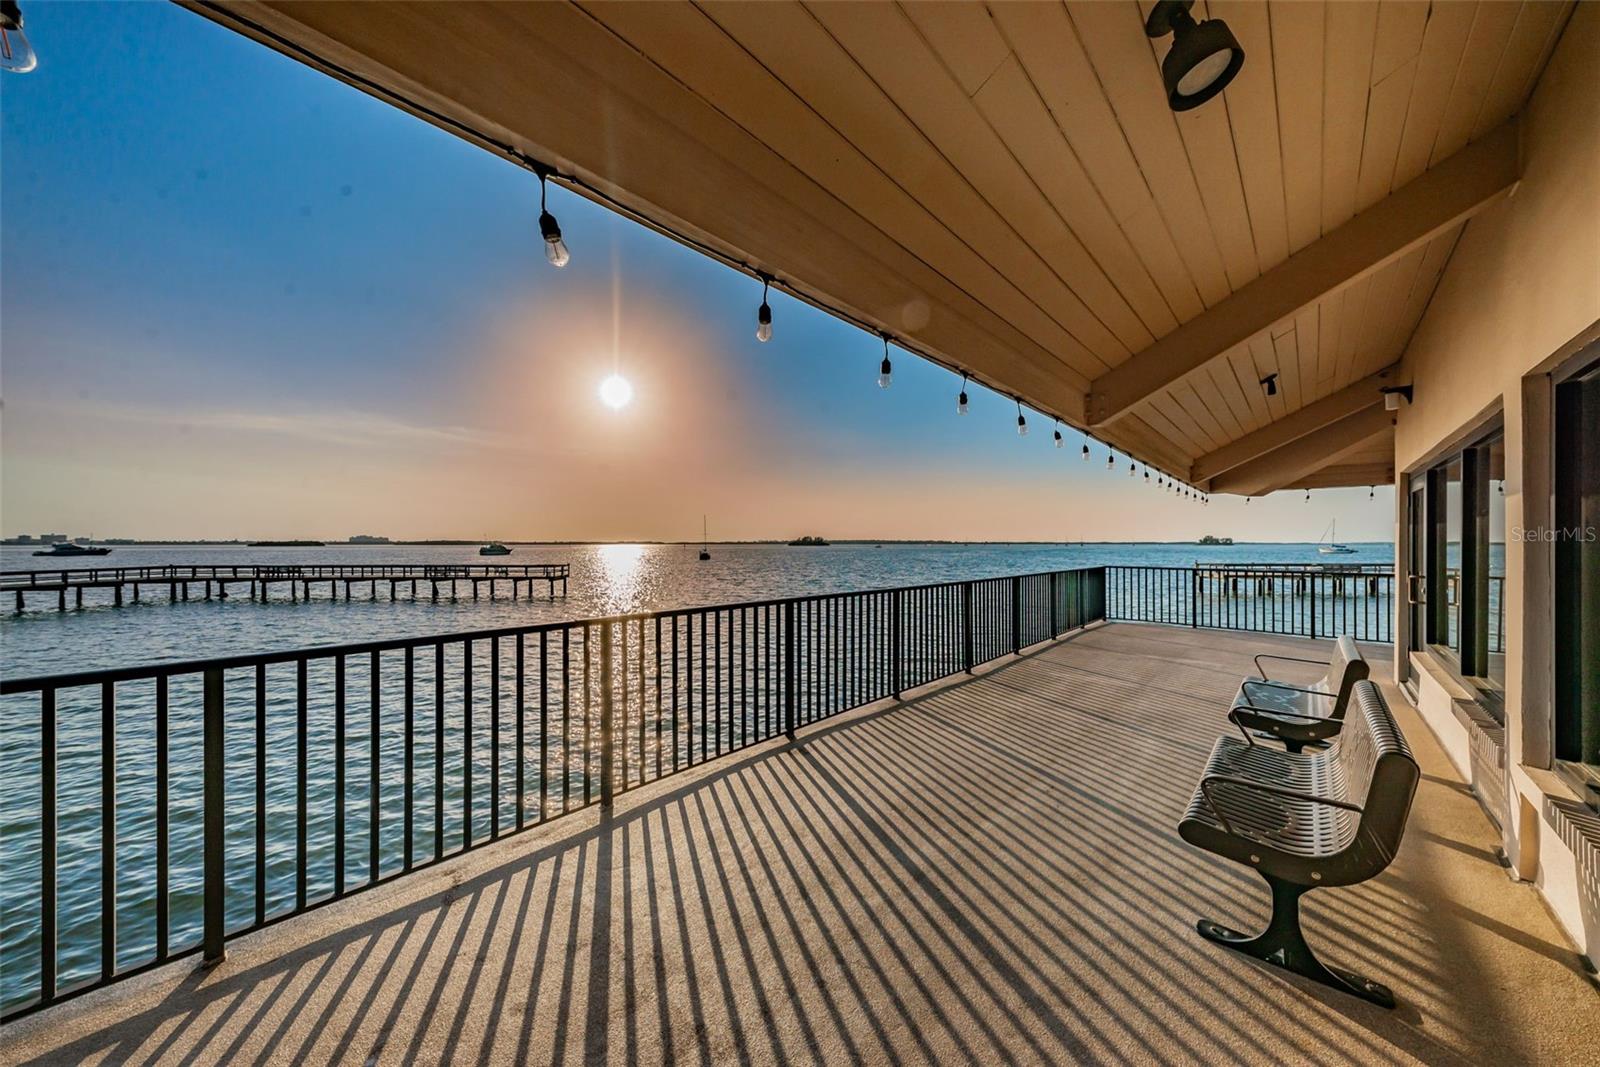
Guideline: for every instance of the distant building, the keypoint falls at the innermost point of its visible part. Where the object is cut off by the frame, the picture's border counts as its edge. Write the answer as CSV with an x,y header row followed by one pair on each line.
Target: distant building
x,y
52,538
20,539
368,539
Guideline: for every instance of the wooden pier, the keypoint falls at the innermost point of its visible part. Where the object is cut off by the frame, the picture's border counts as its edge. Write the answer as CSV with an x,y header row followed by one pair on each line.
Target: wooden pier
x,y
303,581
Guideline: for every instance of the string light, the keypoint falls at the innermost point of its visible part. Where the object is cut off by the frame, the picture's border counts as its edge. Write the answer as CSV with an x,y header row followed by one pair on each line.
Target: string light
x,y
1059,442
16,54
764,313
1111,458
1147,475
1022,423
885,372
1133,468
1086,450
961,401
1372,491
1308,496
555,249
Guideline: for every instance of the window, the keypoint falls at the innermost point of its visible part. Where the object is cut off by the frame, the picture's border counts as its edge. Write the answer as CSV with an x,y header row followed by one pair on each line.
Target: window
x,y
1463,571
1576,539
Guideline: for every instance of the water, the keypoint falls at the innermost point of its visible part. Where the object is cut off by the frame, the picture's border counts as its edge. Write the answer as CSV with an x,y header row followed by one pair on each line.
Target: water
x,y
606,579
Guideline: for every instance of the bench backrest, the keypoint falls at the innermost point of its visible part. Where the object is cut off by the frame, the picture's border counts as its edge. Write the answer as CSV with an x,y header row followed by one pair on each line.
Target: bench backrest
x,y
1380,774
1345,668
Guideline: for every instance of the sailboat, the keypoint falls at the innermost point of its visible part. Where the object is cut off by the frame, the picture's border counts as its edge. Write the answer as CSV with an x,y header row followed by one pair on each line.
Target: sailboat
x,y
1329,546
704,554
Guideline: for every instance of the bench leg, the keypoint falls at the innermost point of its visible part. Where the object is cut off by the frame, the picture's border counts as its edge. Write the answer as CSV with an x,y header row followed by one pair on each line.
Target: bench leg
x,y
1283,945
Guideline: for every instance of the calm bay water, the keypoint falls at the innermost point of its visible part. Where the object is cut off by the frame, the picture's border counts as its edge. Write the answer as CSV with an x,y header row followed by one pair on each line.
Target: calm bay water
x,y
606,579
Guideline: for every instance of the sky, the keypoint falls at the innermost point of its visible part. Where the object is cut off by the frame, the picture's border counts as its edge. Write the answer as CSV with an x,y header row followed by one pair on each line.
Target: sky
x,y
241,299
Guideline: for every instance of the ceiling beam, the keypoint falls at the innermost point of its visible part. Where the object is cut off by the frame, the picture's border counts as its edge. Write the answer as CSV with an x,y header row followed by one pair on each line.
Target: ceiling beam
x,y
1455,190
1312,417
1321,448
1345,475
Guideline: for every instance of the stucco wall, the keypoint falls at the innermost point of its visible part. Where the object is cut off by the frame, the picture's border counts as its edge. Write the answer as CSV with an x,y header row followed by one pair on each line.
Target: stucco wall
x,y
1524,281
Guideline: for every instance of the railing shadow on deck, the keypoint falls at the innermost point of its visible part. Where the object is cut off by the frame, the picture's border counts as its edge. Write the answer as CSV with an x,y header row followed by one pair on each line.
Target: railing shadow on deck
x,y
912,916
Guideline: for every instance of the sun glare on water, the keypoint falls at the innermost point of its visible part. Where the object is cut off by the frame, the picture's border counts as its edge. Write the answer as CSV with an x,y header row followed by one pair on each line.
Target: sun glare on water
x,y
616,392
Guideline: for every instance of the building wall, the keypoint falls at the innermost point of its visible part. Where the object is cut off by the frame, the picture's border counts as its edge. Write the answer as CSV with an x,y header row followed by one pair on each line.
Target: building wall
x,y
1522,288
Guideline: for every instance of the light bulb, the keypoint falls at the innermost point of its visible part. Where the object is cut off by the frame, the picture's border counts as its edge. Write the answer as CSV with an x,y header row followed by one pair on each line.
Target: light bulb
x,y
555,249
16,53
1371,492
1111,460
1132,469
885,372
1086,451
1060,442
1147,474
961,403
1022,426
764,323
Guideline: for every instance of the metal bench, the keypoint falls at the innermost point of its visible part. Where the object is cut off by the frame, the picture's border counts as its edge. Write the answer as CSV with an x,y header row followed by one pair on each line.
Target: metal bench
x,y
1306,820
1299,715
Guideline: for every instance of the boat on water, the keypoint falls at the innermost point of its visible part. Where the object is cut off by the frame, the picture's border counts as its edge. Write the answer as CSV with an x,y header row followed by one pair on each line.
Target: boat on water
x,y
67,548
1329,544
494,548
705,552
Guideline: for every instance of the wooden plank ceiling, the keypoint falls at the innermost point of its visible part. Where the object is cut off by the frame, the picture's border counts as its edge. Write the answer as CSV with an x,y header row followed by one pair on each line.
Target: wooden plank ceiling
x,y
1003,186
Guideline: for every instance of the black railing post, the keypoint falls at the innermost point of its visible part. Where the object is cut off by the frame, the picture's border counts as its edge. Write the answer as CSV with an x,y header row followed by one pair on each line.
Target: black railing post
x,y
1016,615
1055,631
1194,597
789,679
215,769
896,645
966,626
1313,607
606,783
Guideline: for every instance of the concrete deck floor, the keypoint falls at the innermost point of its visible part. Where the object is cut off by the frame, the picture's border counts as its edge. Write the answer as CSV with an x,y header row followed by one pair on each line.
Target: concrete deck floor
x,y
988,872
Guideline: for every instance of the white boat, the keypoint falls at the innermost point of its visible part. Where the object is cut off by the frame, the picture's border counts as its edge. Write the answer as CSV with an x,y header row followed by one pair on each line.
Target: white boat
x,y
1328,546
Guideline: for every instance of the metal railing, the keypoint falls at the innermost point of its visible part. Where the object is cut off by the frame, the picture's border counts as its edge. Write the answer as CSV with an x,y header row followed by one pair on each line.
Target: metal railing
x,y
1297,602
26,579
179,805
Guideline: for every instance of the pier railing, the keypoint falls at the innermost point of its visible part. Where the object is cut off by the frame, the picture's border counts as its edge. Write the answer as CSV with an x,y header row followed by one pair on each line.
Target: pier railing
x,y
1296,601
70,576
154,812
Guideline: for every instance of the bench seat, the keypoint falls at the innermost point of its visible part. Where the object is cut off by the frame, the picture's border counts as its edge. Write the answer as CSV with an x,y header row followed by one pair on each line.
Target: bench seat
x,y
1299,715
1305,820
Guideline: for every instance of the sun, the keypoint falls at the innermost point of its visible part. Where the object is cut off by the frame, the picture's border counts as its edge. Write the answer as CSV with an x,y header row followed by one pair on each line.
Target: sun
x,y
616,392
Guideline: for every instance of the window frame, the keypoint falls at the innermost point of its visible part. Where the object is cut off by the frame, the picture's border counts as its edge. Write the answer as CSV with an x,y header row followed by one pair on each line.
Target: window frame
x,y
1470,665
1567,603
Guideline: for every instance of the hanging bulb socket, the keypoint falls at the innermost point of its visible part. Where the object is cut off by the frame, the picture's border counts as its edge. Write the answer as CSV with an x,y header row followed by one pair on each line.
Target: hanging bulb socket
x,y
1022,423
764,313
1060,442
885,371
1086,451
16,53
1111,459
555,249
961,401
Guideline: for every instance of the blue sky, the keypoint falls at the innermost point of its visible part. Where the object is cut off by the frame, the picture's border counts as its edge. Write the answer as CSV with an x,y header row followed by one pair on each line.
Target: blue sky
x,y
238,298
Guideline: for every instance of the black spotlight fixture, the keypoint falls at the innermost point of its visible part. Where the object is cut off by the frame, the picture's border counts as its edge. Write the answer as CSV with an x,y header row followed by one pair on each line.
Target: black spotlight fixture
x,y
1270,384
1204,58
